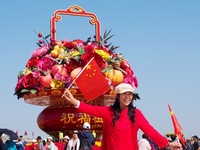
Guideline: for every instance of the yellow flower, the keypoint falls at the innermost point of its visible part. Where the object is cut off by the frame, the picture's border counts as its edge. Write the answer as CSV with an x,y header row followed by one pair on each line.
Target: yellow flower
x,y
55,84
103,54
62,54
27,71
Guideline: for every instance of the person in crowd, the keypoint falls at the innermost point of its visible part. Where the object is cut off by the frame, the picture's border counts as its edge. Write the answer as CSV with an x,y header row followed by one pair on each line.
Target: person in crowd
x,y
94,134
9,145
51,145
154,146
66,140
86,134
40,143
121,121
44,144
23,141
143,143
175,139
74,142
196,144
60,136
189,145
34,144
1,144
20,144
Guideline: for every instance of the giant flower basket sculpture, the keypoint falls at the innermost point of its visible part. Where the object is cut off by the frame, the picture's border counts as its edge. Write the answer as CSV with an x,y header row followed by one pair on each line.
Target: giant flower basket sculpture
x,y
53,67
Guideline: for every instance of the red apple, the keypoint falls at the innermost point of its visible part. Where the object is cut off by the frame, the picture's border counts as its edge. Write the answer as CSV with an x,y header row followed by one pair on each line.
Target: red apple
x,y
56,69
45,80
129,71
74,73
64,71
125,64
59,69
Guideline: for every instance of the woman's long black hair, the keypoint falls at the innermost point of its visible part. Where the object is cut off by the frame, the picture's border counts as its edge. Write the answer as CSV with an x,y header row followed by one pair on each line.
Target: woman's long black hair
x,y
131,109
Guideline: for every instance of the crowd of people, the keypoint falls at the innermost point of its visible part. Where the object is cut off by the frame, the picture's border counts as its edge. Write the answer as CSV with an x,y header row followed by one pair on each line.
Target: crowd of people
x,y
121,122
193,143
80,140
76,142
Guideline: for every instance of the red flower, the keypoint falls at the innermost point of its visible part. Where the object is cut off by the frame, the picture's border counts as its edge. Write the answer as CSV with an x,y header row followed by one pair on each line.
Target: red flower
x,y
100,61
90,47
32,62
73,64
19,83
68,45
29,81
124,64
77,43
40,88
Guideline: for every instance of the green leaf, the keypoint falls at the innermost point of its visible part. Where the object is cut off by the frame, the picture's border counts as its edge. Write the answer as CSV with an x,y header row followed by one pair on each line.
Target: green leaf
x,y
47,36
101,39
97,42
106,70
108,38
77,58
38,44
33,91
24,90
114,47
20,73
81,50
104,35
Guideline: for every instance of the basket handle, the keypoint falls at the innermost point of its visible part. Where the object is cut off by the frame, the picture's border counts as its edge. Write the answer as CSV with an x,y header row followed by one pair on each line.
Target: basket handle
x,y
74,11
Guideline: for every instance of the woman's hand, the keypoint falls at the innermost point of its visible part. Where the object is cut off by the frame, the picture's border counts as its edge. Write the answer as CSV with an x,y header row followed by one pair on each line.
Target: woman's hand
x,y
68,95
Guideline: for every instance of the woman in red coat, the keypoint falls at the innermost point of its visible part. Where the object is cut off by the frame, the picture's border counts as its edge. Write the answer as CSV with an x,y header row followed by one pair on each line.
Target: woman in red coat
x,y
121,121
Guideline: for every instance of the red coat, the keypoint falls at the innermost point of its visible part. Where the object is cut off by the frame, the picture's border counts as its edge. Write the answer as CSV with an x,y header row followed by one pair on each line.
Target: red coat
x,y
122,136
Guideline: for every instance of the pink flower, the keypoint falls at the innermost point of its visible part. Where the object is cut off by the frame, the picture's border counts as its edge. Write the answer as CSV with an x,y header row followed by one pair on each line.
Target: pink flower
x,y
36,74
64,79
41,51
58,76
132,80
45,64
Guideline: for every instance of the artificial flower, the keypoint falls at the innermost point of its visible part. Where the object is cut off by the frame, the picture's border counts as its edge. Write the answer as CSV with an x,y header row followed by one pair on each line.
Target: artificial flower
x,y
19,84
29,81
132,80
32,62
56,84
103,54
100,61
41,51
46,63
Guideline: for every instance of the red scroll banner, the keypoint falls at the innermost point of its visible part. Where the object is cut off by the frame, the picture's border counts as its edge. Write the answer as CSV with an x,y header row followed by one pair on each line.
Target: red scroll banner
x,y
74,11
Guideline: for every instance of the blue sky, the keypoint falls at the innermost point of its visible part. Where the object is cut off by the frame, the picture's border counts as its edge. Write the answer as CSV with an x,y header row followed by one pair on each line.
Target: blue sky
x,y
160,39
